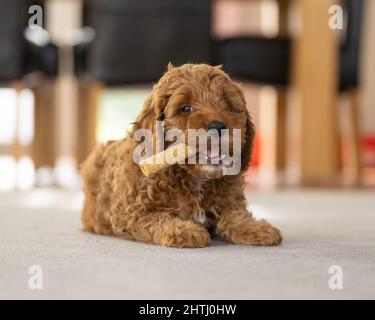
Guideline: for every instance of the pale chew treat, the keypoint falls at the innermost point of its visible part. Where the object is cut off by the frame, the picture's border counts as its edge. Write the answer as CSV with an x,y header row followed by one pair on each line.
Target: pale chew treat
x,y
166,158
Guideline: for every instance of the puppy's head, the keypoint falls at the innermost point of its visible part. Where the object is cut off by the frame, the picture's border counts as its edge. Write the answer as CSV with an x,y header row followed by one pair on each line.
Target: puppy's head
x,y
203,98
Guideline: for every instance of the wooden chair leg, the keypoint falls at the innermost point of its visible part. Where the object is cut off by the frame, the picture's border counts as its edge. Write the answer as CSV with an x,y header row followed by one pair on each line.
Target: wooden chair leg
x,y
89,101
43,148
281,116
16,148
273,134
283,17
355,137
281,131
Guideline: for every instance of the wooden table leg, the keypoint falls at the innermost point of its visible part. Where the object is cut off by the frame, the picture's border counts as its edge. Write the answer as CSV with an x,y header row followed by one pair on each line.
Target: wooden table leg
x,y
314,79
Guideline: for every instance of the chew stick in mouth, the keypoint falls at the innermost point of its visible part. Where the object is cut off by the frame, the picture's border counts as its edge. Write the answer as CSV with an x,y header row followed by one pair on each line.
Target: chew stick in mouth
x,y
166,158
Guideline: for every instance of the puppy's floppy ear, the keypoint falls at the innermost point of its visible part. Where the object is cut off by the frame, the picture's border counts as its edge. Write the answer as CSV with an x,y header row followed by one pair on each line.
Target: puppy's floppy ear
x,y
151,112
247,148
235,96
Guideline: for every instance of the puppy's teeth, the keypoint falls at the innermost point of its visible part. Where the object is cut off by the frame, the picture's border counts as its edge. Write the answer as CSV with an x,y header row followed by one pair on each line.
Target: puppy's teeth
x,y
226,161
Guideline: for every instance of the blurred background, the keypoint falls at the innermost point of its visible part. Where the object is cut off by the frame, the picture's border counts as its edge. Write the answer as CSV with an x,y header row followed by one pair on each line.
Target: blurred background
x,y
77,75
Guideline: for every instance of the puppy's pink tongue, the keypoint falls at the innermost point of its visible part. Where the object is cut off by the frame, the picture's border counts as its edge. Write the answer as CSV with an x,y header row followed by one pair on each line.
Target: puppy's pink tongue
x,y
213,153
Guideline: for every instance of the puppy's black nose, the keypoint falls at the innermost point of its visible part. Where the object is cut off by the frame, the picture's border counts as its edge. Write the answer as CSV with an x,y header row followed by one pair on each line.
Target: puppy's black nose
x,y
217,125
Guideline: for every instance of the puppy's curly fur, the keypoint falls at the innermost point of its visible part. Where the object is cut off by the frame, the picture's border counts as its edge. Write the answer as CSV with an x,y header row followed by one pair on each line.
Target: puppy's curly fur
x,y
179,206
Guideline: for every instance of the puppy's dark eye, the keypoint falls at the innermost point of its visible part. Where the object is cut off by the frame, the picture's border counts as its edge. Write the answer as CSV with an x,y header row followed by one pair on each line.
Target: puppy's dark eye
x,y
187,109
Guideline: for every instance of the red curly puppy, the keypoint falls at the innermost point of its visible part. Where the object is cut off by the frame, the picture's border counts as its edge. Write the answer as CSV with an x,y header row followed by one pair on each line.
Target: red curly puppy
x,y
181,205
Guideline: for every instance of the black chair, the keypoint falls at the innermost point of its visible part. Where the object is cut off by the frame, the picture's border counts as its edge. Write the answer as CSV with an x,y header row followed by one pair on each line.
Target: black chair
x,y
12,44
136,39
256,59
17,55
21,57
267,61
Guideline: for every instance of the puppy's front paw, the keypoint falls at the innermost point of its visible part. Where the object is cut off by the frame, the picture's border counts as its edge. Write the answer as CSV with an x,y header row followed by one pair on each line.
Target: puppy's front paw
x,y
250,232
185,234
266,235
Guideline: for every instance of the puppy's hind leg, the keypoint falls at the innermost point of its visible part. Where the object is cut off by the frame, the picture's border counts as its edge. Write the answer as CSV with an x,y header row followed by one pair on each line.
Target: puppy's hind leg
x,y
161,229
93,219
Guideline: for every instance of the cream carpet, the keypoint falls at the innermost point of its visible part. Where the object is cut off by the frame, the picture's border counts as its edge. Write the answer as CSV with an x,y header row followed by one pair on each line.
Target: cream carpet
x,y
321,229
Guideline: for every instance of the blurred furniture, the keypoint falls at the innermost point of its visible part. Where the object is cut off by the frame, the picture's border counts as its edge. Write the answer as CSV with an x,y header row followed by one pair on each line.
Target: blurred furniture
x,y
18,59
313,76
153,33
134,42
165,30
11,54
11,41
